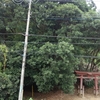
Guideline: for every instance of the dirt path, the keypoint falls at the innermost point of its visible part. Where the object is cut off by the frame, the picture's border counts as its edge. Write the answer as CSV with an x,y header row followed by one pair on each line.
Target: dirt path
x,y
59,95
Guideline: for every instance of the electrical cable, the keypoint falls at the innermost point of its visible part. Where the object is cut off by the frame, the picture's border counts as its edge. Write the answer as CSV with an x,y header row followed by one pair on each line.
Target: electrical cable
x,y
75,19
12,34
14,18
54,18
48,41
84,56
32,52
51,36
87,43
17,1
68,1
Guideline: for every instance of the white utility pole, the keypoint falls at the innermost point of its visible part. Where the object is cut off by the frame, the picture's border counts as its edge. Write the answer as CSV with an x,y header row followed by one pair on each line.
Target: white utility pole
x,y
24,54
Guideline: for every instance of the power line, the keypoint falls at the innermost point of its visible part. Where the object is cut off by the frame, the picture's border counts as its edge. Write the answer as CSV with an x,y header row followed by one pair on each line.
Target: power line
x,y
69,1
11,33
54,18
34,52
71,18
87,43
69,37
52,36
48,41
3,41
18,19
84,56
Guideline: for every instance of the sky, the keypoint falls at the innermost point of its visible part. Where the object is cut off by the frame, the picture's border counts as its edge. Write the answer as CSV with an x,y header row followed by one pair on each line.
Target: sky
x,y
97,2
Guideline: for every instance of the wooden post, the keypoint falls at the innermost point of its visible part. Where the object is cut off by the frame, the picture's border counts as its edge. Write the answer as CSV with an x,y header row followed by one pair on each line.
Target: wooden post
x,y
78,89
83,91
94,89
81,84
32,91
96,86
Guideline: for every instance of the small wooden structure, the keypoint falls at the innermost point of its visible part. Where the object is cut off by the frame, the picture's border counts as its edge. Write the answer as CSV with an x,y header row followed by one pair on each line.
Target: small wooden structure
x,y
88,75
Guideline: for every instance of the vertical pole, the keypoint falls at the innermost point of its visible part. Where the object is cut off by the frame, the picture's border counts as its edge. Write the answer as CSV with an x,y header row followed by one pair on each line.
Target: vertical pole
x,y
83,91
32,91
96,86
81,84
24,54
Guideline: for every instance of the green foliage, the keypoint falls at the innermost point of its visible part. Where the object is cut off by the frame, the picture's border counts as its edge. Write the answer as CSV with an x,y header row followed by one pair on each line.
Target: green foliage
x,y
5,85
51,61
89,83
9,79
54,67
8,86
30,99
15,76
81,4
3,54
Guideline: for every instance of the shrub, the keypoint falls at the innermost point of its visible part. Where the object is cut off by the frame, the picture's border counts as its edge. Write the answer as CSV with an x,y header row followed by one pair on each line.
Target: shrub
x,y
8,86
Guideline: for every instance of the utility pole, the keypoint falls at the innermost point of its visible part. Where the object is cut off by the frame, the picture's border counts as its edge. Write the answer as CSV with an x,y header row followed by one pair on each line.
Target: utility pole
x,y
24,54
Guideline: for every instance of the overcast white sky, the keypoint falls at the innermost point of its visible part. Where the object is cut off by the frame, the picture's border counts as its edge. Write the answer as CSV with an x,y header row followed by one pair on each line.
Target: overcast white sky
x,y
97,2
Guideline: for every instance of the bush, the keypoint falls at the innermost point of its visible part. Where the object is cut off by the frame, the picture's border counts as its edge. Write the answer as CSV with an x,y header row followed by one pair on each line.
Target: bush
x,y
8,86
5,86
54,66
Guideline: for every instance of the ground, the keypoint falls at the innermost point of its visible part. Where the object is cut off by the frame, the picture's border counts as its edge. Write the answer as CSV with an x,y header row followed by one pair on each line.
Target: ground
x,y
59,95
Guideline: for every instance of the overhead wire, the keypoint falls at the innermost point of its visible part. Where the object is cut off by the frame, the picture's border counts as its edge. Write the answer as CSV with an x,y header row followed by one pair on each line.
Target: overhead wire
x,y
71,18
52,36
14,18
59,37
54,18
69,37
34,52
84,56
41,42
79,56
11,33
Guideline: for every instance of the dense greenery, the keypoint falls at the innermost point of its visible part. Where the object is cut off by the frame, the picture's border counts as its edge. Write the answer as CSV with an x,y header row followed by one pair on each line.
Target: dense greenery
x,y
52,67
63,37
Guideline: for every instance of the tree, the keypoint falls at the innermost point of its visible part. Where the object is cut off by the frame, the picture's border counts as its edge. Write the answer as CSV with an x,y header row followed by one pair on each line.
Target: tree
x,y
52,67
58,34
3,53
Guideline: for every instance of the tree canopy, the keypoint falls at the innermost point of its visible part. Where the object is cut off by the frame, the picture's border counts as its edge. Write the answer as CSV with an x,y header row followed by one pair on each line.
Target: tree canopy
x,y
63,37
